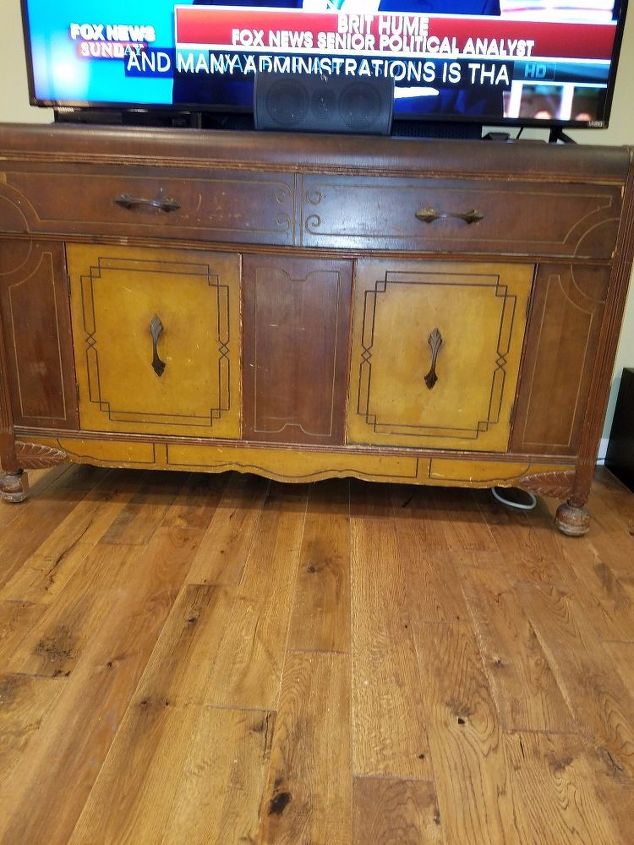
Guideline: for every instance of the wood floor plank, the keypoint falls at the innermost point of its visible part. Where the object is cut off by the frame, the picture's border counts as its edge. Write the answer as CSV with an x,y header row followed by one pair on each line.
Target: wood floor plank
x,y
47,571
395,812
553,792
321,612
621,656
181,664
443,517
78,732
432,580
471,682
388,723
247,670
308,793
458,511
597,697
617,795
524,687
24,704
527,540
465,738
602,597
17,618
196,501
40,515
147,509
180,774
57,641
223,552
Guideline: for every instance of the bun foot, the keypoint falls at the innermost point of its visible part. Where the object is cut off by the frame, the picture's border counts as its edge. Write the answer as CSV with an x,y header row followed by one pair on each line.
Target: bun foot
x,y
571,520
14,487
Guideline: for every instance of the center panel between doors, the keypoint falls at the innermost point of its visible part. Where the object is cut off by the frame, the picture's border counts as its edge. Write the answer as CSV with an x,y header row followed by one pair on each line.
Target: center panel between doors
x,y
295,329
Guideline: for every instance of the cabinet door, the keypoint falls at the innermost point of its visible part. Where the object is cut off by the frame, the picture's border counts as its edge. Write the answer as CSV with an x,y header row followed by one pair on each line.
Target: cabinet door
x,y
435,353
296,314
157,340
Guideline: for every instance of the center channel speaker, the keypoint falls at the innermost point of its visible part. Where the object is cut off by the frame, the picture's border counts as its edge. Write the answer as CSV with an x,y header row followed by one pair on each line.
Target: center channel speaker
x,y
322,103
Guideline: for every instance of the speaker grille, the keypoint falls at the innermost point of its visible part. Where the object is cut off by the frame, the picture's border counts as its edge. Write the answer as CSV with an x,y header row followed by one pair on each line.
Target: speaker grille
x,y
287,102
323,103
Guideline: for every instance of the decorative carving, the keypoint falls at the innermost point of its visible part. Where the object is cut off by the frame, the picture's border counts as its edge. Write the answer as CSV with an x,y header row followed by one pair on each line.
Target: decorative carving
x,y
556,484
35,456
314,197
571,520
14,487
13,204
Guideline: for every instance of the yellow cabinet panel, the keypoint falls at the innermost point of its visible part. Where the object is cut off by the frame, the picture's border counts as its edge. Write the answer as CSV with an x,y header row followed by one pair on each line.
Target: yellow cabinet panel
x,y
156,334
436,351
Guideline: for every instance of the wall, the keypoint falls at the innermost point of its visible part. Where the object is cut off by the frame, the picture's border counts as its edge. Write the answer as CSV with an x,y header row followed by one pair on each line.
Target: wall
x,y
14,107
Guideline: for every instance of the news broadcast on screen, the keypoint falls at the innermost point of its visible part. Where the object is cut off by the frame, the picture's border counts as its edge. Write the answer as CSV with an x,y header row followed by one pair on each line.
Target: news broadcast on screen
x,y
521,61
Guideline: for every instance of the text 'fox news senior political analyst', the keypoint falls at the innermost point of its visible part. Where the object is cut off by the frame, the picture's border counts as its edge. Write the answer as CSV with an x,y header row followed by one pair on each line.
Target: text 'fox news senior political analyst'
x,y
482,100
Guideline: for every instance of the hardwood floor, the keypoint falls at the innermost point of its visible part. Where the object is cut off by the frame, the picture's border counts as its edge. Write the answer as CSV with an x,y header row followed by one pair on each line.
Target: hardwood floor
x,y
220,659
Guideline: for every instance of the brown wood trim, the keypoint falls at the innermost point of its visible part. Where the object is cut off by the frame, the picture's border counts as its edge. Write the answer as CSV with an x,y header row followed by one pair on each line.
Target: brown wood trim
x,y
560,299
302,251
25,433
39,356
608,341
196,149
8,460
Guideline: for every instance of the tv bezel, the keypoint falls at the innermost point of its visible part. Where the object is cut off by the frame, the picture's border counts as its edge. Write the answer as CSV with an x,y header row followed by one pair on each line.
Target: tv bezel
x,y
218,109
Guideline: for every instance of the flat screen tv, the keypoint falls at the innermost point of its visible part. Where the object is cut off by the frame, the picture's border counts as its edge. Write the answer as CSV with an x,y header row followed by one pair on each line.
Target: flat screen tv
x,y
516,62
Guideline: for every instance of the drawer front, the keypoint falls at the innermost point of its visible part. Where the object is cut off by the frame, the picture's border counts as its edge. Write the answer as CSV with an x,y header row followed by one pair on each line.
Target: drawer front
x,y
226,207
436,348
460,216
156,334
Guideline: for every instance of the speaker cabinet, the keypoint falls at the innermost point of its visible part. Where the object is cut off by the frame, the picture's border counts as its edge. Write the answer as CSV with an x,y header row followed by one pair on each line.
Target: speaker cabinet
x,y
321,103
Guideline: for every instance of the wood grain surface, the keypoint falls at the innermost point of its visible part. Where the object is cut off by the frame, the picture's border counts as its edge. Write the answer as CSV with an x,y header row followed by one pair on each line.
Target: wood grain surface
x,y
222,659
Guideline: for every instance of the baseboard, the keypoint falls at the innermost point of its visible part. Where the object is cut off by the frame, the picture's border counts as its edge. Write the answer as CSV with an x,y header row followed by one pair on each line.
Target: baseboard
x,y
603,448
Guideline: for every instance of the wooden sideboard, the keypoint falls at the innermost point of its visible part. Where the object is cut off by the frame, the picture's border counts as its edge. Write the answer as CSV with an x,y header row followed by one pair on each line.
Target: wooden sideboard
x,y
428,312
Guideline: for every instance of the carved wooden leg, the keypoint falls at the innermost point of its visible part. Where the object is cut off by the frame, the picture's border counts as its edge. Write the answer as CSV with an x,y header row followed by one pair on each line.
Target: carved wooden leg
x,y
572,519
14,486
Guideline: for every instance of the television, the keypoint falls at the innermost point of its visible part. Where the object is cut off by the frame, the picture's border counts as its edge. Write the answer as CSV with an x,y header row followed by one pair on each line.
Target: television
x,y
494,62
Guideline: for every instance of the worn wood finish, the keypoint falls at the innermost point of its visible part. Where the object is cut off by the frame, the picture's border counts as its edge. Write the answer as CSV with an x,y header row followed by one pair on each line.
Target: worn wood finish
x,y
518,218
567,311
487,282
152,653
116,293
476,313
295,335
34,296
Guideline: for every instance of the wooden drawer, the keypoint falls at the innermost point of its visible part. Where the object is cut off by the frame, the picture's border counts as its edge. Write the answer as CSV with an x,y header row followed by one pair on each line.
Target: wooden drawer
x,y
225,206
496,216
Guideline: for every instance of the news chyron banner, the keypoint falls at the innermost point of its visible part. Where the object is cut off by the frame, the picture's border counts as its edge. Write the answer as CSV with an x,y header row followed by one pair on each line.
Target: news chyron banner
x,y
492,65
424,54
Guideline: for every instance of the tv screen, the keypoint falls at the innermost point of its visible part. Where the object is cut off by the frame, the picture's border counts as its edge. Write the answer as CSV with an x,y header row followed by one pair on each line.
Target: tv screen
x,y
491,61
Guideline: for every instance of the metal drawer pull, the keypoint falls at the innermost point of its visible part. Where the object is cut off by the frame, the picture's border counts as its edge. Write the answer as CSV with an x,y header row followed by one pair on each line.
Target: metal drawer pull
x,y
156,329
428,215
165,204
435,342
